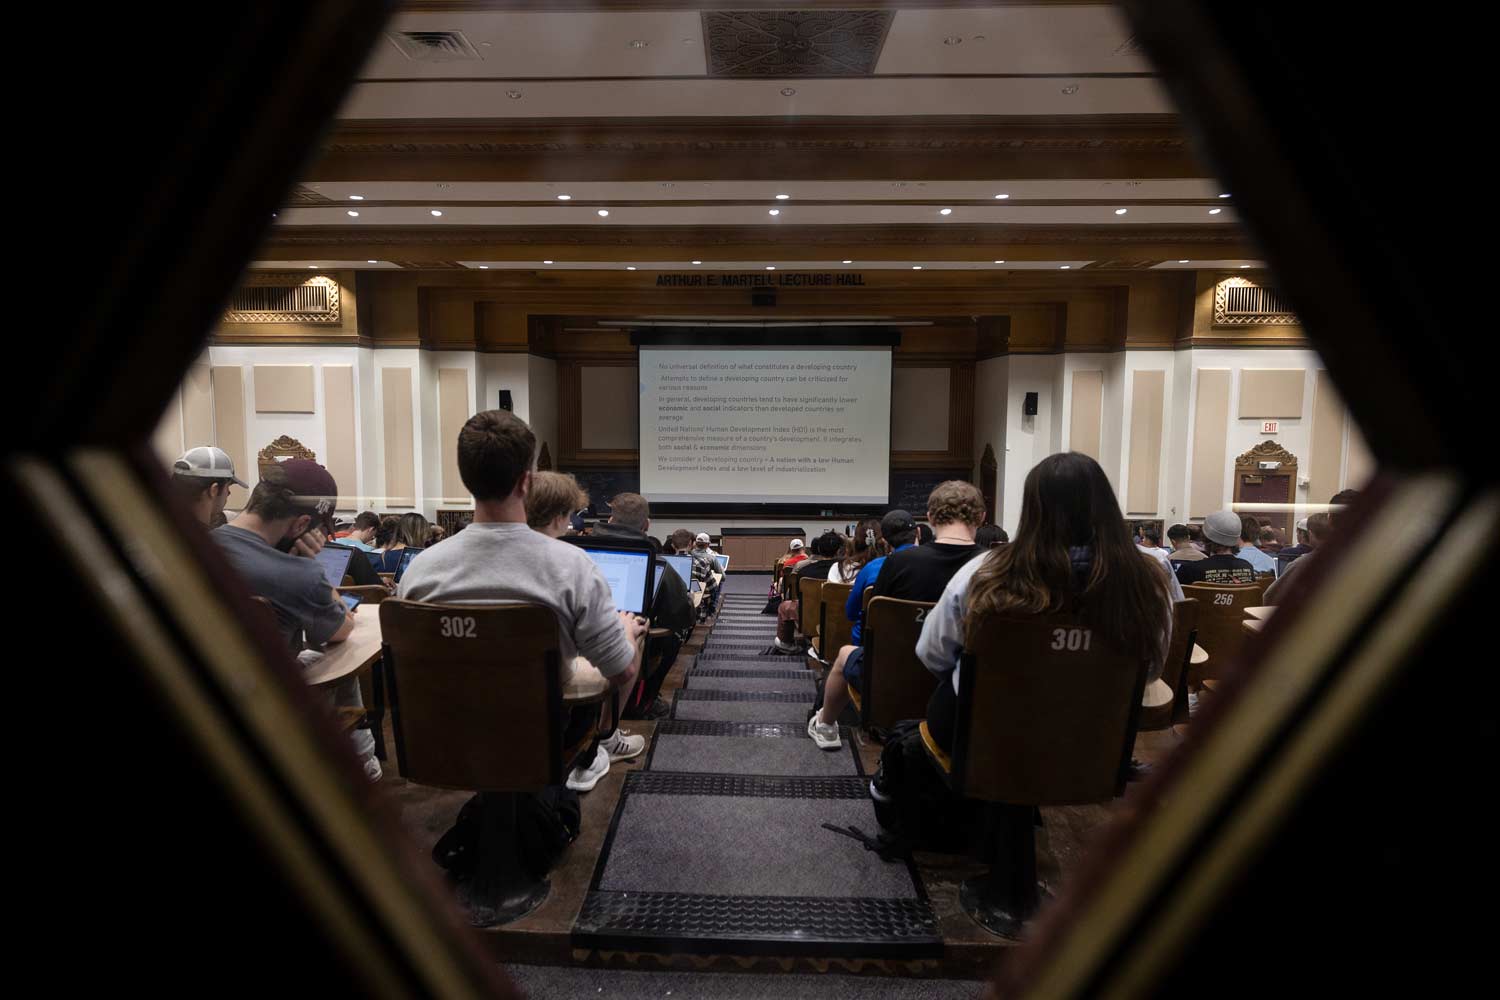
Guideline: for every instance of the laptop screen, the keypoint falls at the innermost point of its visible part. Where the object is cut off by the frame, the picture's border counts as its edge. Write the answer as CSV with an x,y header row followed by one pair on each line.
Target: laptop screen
x,y
407,555
683,565
626,574
723,562
334,562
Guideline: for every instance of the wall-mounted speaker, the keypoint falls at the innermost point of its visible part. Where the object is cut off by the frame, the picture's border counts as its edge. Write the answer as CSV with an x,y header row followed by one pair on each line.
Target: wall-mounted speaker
x,y
505,403
1028,406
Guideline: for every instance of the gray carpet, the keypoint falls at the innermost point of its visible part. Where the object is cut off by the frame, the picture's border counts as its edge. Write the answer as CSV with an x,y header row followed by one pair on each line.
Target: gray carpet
x,y
743,711
742,846
756,664
775,685
779,755
747,583
539,982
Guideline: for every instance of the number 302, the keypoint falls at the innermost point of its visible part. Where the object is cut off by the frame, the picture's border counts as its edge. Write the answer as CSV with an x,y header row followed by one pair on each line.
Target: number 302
x,y
455,627
1072,639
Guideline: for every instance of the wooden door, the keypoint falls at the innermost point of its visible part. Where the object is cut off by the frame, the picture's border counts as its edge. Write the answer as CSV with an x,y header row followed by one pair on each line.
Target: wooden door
x,y
1254,484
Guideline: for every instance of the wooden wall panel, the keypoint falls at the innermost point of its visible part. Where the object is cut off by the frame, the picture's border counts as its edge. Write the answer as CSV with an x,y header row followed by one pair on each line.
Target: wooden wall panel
x,y
1087,416
453,411
284,389
1268,393
920,398
198,407
1143,494
1326,464
338,429
229,419
609,404
1210,440
396,411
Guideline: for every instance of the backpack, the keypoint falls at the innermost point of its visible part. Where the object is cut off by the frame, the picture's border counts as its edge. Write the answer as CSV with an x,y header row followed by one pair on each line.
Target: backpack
x,y
915,808
546,823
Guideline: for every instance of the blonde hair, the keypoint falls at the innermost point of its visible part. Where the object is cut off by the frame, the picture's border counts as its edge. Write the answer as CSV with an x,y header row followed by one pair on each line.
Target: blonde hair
x,y
552,495
956,500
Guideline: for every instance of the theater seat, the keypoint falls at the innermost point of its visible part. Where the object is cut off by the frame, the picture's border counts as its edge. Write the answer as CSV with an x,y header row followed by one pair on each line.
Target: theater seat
x,y
894,685
477,703
834,629
1047,716
809,596
1174,671
1221,612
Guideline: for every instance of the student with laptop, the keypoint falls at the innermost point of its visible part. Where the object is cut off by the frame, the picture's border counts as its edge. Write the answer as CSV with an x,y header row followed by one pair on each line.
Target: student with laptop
x,y
498,559
275,544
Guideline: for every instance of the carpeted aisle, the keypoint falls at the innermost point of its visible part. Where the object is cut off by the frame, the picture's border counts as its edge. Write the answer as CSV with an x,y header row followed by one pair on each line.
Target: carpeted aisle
x,y
719,846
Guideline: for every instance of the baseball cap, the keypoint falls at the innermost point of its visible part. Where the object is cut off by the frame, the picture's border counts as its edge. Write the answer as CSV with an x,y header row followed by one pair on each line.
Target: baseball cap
x,y
310,482
896,522
1302,524
207,463
796,543
1222,527
702,537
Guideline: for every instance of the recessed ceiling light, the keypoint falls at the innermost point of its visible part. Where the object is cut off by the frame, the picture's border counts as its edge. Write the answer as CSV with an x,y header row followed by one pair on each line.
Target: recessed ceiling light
x,y
372,262
848,262
916,267
697,262
1001,197
1184,262
353,214
514,95
484,267
630,267
1214,211
945,211
782,197
668,184
312,267
1223,196
770,267
1121,211
546,262
687,41
978,38
356,197
1070,89
774,211
603,213
436,213
953,40
999,262
788,91
1243,266
638,43
564,197
1066,267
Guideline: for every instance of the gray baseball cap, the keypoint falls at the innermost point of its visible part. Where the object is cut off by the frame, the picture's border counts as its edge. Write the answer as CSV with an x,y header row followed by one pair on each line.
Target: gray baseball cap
x,y
207,463
1222,527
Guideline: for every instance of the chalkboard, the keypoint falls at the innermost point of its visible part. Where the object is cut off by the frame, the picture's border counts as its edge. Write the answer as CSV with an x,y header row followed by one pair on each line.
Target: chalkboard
x,y
605,484
909,490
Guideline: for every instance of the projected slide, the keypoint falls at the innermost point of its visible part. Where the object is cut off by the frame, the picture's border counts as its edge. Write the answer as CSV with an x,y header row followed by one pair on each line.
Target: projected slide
x,y
766,425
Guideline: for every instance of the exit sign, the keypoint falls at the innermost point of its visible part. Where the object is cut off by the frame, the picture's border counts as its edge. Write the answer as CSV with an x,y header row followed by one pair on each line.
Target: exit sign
x,y
1268,427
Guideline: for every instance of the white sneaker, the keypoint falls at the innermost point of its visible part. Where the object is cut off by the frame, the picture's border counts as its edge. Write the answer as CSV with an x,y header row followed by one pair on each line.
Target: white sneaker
x,y
372,768
583,779
622,746
824,735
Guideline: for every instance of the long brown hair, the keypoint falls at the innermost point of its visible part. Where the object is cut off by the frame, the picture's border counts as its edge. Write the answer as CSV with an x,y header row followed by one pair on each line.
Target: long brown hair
x,y
1068,503
864,546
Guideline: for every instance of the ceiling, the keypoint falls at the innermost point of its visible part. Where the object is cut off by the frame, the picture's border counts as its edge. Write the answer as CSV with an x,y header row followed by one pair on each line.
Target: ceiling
x,y
495,132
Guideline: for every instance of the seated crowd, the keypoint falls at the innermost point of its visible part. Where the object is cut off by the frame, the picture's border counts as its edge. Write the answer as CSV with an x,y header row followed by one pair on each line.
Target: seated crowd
x,y
1074,554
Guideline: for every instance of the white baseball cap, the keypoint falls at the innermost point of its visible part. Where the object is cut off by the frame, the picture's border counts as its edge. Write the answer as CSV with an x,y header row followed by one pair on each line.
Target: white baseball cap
x,y
796,543
702,536
207,463
1302,524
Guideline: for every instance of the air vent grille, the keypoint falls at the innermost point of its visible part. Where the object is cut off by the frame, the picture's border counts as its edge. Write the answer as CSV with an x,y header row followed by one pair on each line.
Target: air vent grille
x,y
284,298
434,46
1241,302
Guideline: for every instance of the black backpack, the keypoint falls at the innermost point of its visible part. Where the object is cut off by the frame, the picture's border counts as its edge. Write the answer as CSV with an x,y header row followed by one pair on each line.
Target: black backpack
x,y
918,811
547,822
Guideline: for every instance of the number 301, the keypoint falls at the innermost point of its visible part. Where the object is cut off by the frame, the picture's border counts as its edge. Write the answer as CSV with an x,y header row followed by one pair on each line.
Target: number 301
x,y
1072,639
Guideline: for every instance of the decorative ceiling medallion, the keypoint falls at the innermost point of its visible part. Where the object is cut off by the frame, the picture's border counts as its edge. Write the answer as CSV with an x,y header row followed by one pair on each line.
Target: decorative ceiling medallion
x,y
791,43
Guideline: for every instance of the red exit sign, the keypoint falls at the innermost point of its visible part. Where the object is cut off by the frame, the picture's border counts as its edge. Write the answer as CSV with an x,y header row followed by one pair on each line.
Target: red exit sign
x,y
1268,426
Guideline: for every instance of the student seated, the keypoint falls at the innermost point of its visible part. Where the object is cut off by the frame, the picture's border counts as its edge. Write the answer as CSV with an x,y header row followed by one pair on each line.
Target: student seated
x,y
955,509
1302,547
706,571
794,553
1150,540
1249,533
1223,564
410,532
553,501
825,550
680,542
990,535
202,477
671,606
864,546
1319,530
1268,542
1072,555
497,559
361,535
271,544
1183,549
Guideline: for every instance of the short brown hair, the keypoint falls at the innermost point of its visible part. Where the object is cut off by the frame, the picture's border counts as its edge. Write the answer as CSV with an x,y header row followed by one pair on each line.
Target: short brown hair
x,y
956,500
495,449
1319,526
552,495
369,519
1249,528
631,510
681,540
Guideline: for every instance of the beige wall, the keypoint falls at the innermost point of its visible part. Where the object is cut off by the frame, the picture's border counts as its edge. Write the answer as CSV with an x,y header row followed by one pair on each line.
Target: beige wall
x,y
920,410
610,405
1088,413
1210,422
1148,389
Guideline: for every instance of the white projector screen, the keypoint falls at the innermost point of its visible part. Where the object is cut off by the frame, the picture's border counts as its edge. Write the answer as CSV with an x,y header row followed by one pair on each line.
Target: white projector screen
x,y
765,425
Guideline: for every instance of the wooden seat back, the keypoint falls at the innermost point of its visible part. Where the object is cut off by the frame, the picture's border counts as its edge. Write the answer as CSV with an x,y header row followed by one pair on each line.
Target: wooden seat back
x,y
898,688
1174,671
1047,713
476,695
809,595
834,630
1221,610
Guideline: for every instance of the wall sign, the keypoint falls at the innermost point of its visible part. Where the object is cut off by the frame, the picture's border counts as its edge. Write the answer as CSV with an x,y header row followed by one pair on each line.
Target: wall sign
x,y
1268,426
780,279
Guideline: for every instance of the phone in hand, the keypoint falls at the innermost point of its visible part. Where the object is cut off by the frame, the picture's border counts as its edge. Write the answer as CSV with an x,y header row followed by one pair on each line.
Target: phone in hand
x,y
351,601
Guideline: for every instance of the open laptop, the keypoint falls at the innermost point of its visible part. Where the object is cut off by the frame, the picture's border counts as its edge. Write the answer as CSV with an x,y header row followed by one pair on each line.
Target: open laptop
x,y
628,567
407,555
334,563
684,567
723,562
